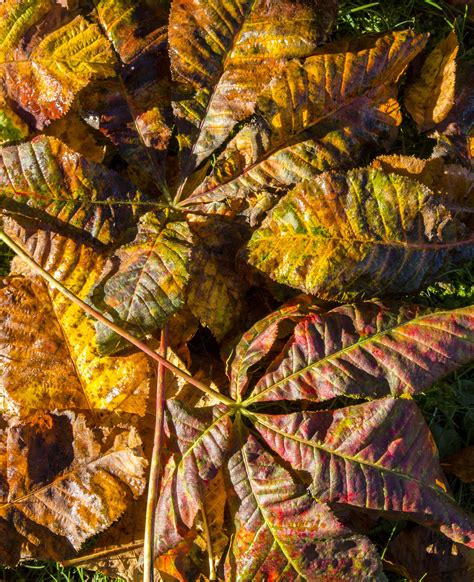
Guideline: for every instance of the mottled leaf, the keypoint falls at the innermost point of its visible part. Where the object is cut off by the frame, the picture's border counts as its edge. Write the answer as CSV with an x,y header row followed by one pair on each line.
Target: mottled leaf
x,y
359,234
203,439
430,97
282,531
370,349
257,342
227,56
305,120
59,478
143,282
379,455
44,77
134,109
455,134
47,181
48,353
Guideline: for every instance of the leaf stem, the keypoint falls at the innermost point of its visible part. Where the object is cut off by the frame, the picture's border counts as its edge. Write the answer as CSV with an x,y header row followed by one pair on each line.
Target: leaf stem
x,y
114,327
155,466
210,552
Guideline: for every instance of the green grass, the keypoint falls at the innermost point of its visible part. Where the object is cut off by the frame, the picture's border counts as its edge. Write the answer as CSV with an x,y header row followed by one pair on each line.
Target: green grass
x,y
449,406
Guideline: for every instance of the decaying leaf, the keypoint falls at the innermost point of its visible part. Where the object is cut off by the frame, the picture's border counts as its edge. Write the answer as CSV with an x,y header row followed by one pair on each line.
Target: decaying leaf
x,y
58,477
44,78
420,552
371,349
430,98
377,455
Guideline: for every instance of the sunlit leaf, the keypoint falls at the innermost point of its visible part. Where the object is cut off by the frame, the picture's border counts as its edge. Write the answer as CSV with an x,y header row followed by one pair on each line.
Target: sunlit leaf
x,y
379,455
203,439
281,529
319,108
59,478
143,283
363,233
370,349
44,78
430,97
238,46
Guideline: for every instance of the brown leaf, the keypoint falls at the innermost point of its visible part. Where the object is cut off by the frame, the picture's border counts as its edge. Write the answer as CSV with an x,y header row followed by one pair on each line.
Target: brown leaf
x,y
58,476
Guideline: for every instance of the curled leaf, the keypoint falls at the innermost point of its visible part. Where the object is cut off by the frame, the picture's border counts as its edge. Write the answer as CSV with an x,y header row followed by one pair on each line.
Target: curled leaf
x,y
430,98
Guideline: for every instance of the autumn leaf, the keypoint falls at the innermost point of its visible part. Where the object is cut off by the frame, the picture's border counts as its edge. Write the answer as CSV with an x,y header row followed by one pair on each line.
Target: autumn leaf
x,y
344,236
310,116
203,439
143,283
377,455
370,349
44,78
59,478
281,528
430,97
461,464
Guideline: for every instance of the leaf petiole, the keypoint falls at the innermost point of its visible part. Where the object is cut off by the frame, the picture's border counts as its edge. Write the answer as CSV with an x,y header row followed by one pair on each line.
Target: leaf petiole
x,y
114,327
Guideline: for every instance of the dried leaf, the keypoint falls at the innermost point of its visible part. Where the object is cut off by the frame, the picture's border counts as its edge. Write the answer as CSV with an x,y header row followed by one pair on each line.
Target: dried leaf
x,y
430,97
419,552
49,360
59,478
461,464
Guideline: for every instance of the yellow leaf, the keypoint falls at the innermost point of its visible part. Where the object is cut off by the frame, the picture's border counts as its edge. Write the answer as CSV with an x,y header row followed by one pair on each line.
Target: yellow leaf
x,y
430,98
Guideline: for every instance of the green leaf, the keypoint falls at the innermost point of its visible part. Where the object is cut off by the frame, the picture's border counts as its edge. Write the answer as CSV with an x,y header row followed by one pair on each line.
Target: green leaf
x,y
364,233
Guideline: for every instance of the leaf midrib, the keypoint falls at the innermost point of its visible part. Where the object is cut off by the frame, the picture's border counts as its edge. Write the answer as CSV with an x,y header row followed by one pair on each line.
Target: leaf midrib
x,y
338,353
355,460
